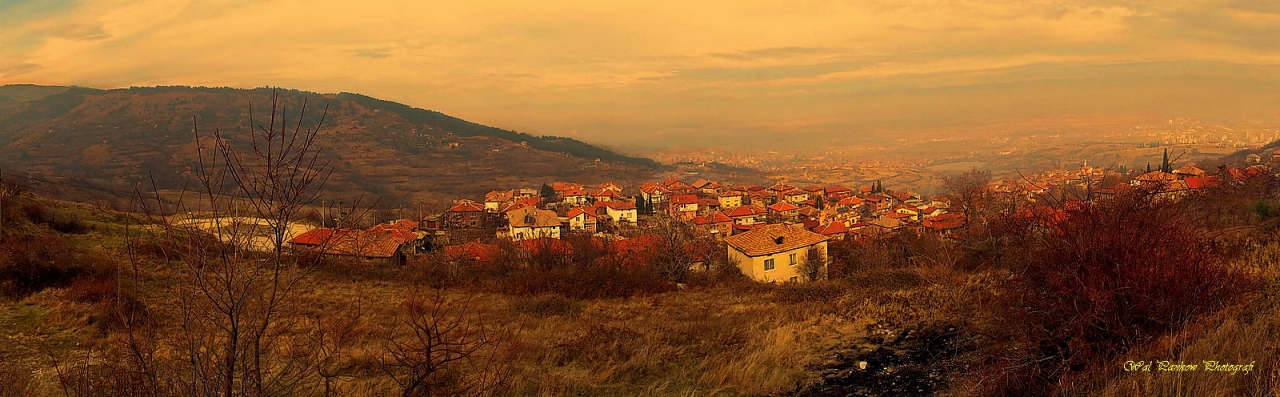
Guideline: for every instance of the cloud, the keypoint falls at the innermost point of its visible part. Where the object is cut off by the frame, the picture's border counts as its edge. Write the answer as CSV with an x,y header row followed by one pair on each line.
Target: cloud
x,y
621,70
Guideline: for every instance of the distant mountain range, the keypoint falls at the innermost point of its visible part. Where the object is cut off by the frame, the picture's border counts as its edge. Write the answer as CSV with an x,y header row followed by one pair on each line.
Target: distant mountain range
x,y
114,138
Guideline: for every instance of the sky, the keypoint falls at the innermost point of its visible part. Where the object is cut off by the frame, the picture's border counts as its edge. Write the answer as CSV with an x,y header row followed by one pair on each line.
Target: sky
x,y
656,73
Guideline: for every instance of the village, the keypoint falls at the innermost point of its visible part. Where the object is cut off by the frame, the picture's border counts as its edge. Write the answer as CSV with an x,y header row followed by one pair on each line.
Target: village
x,y
758,225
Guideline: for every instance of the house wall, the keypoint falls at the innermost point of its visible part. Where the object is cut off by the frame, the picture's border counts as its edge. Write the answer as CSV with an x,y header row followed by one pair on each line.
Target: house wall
x,y
528,233
783,271
727,202
621,215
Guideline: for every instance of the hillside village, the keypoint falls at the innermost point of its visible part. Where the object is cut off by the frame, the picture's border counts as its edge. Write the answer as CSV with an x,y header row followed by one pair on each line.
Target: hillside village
x,y
797,219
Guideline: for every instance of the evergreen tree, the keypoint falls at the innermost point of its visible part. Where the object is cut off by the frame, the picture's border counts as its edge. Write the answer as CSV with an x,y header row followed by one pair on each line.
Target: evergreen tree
x,y
819,203
640,204
548,192
1164,164
1148,166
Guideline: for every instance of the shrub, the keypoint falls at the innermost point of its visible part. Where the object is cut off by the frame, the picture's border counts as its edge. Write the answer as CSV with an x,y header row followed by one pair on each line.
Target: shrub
x,y
1099,278
31,263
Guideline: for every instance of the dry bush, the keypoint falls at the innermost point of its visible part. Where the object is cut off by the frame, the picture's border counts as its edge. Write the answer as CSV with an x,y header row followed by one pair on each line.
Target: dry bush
x,y
30,263
443,348
1100,278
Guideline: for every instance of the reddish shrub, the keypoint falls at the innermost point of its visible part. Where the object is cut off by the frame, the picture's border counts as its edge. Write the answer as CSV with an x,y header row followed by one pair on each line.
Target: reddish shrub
x,y
1101,277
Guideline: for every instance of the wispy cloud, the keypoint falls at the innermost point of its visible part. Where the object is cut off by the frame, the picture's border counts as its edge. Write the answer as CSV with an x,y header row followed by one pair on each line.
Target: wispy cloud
x,y
621,70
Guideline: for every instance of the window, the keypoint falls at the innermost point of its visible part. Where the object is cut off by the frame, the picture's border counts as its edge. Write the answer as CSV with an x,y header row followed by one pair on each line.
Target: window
x,y
793,259
768,264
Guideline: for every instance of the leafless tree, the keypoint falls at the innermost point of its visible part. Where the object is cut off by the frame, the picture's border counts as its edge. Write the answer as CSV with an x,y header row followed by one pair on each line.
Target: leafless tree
x,y
443,348
814,267
234,294
681,243
971,190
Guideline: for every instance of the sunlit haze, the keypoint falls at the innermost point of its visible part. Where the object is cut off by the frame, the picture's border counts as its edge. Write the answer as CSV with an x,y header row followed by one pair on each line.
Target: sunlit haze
x,y
656,73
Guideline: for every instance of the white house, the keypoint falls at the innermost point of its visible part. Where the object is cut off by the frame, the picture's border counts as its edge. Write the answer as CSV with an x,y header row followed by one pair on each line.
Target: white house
x,y
529,222
580,219
775,252
620,212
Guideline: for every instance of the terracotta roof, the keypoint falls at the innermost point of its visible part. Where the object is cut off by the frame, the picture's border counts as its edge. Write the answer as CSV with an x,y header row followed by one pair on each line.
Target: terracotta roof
x,y
354,242
756,188
709,202
466,206
781,187
573,192
832,229
886,222
591,217
532,217
684,199
618,205
875,198
850,201
655,189
1156,176
783,207
809,211
772,239
498,196
710,219
313,237
605,193
1202,182
815,189
837,189
1189,170
744,210
944,224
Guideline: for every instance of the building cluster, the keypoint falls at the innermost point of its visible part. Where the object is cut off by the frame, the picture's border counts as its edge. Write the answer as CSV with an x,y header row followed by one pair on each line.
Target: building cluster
x,y
796,220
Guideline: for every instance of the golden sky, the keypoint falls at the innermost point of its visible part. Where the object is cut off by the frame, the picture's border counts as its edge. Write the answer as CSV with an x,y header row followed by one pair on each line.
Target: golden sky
x,y
664,72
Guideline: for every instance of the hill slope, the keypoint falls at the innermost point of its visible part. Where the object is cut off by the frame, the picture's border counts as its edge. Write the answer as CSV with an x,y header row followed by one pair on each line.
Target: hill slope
x,y
112,138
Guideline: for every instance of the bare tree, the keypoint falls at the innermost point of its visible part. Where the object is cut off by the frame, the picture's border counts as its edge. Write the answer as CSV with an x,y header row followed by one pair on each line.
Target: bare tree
x,y
443,348
681,243
814,267
233,296
971,190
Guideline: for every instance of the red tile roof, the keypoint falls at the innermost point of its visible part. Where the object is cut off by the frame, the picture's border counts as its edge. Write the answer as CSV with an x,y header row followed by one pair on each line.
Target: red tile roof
x,y
579,211
772,239
1202,182
783,207
313,237
745,210
618,205
466,206
832,228
684,199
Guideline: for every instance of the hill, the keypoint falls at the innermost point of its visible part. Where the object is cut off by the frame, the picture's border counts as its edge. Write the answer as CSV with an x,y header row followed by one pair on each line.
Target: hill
x,y
113,138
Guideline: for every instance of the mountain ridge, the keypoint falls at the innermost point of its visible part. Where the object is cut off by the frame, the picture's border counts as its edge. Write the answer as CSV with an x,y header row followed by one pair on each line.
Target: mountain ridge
x,y
118,136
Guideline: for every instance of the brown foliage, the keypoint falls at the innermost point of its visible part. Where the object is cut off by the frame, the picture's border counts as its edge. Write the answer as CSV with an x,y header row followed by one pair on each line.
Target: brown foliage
x,y
1097,279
